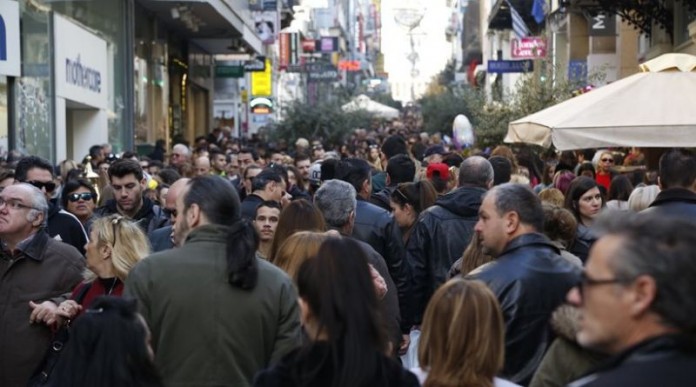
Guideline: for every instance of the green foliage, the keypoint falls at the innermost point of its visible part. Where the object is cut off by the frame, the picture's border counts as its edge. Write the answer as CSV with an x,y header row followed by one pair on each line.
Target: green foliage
x,y
324,121
534,92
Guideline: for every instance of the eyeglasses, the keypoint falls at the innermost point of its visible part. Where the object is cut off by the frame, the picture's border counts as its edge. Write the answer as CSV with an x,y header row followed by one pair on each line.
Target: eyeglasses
x,y
115,223
586,281
15,204
608,160
86,196
169,213
49,185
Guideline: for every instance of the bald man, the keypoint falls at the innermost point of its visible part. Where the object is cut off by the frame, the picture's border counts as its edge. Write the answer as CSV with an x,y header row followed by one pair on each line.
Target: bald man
x,y
161,239
202,166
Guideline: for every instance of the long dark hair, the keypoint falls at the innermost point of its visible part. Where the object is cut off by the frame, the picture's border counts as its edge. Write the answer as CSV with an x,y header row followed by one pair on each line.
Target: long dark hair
x,y
420,195
578,187
218,200
107,347
338,289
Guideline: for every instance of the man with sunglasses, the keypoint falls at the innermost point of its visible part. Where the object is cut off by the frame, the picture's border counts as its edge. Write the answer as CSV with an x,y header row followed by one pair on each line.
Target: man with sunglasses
x,y
62,225
636,301
163,238
529,277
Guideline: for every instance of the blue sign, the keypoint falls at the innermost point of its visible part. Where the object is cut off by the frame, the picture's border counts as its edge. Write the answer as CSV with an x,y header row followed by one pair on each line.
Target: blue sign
x,y
577,71
509,66
3,39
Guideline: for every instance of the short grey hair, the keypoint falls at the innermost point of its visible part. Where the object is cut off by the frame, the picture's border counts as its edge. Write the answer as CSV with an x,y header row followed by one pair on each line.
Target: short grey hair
x,y
519,198
336,200
183,148
38,202
475,171
662,248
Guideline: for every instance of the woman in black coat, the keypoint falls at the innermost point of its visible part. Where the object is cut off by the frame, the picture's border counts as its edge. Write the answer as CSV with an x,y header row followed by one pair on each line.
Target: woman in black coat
x,y
346,344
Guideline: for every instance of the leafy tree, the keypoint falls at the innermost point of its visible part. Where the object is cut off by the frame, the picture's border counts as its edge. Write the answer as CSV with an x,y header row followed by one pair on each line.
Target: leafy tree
x,y
534,92
325,121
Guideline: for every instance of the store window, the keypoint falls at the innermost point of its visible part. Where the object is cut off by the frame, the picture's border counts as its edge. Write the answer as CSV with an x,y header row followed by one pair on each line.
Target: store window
x,y
32,93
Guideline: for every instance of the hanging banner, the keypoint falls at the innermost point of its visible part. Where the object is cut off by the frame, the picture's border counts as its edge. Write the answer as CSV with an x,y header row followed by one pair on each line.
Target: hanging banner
x,y
266,24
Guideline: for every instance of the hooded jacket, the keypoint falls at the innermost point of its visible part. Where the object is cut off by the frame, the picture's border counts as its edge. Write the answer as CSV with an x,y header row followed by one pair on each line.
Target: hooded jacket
x,y
530,280
565,360
438,239
150,216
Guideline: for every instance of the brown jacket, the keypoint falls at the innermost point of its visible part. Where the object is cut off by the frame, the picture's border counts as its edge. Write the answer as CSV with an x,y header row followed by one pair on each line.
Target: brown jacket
x,y
45,269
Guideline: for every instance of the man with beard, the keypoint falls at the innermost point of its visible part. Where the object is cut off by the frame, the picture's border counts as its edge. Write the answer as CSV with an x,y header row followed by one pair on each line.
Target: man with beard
x,y
128,183
218,314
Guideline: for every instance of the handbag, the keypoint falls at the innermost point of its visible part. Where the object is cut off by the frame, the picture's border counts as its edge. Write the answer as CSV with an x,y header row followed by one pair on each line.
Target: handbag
x,y
60,338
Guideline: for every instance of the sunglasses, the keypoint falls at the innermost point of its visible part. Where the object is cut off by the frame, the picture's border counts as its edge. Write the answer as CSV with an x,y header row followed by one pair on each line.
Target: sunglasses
x,y
169,213
86,196
608,160
49,185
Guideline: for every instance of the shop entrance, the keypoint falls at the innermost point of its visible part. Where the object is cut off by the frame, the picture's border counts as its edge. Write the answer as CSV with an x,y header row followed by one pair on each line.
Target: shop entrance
x,y
83,126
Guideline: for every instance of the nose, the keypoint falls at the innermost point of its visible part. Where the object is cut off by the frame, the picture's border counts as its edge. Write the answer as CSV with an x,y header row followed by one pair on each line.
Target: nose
x,y
573,297
478,227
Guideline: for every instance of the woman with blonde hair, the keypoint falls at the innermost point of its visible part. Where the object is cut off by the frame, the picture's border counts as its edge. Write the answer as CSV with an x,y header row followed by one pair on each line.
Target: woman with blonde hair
x,y
296,249
115,246
462,341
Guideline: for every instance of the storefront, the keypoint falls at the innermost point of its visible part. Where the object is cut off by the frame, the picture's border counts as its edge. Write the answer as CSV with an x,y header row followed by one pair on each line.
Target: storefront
x,y
71,94
9,63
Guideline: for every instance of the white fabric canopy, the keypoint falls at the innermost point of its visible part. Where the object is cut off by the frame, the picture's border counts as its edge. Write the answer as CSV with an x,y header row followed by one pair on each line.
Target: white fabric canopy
x,y
654,108
363,102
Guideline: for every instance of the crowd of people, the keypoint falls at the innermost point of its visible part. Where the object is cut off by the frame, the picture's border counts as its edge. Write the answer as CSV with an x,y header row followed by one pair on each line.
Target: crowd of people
x,y
391,260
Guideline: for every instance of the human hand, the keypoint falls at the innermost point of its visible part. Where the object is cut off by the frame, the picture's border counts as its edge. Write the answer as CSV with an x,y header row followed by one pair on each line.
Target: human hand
x,y
405,342
68,309
44,312
379,282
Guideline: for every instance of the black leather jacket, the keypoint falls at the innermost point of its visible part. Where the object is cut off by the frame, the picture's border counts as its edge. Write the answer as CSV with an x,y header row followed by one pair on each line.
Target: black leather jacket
x,y
377,228
679,202
531,280
666,361
439,238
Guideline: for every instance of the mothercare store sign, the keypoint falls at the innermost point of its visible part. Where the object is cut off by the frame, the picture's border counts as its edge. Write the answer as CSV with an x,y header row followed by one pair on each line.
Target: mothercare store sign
x,y
80,64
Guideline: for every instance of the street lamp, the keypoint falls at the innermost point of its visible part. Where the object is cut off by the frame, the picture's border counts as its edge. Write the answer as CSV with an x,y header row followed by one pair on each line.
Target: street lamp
x,y
410,17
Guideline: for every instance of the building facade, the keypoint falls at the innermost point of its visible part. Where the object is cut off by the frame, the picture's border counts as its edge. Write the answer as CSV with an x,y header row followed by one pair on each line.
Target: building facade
x,y
124,72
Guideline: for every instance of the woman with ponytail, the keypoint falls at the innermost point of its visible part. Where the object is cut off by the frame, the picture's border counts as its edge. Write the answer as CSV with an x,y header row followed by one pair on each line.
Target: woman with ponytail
x,y
217,313
408,200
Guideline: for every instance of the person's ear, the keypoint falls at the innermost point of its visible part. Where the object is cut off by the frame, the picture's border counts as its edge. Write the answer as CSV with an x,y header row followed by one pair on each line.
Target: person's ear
x,y
38,219
659,183
143,184
642,296
512,222
105,251
193,215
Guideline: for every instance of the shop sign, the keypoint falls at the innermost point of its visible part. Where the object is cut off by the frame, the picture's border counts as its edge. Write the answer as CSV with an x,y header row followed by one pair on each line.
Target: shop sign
x,y
80,68
261,82
510,66
227,71
321,72
531,47
602,25
349,65
258,64
10,60
327,44
289,49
